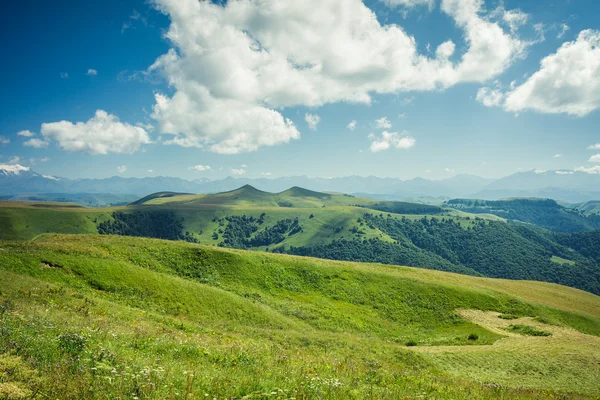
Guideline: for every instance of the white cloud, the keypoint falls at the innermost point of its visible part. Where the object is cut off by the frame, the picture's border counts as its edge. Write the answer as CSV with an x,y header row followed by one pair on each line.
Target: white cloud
x,y
391,139
15,160
591,170
266,174
4,140
515,19
407,101
25,133
150,171
564,172
238,171
146,127
102,134
45,159
91,72
312,120
383,123
64,75
449,170
122,169
595,158
567,82
594,147
234,67
490,97
540,171
37,143
352,125
557,156
200,168
409,3
562,29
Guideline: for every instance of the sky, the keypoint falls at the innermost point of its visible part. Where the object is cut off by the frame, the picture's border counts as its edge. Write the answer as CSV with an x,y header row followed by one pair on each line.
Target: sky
x,y
323,88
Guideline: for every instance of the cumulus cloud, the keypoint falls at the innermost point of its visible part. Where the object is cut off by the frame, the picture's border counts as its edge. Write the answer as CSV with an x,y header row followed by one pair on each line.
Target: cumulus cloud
x,y
122,169
387,140
595,158
26,133
146,127
91,72
352,125
36,143
568,81
594,147
15,160
239,171
540,171
102,134
563,172
200,168
4,140
383,123
312,120
589,170
490,97
234,67
449,170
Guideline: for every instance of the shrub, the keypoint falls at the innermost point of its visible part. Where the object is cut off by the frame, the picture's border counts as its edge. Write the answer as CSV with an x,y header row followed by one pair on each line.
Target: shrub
x,y
473,336
411,343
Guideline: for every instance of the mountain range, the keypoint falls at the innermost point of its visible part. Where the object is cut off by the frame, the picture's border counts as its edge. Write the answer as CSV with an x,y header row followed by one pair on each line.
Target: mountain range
x,y
17,181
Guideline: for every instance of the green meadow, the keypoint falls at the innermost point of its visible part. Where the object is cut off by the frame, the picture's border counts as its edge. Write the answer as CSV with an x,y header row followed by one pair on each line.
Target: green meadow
x,y
107,317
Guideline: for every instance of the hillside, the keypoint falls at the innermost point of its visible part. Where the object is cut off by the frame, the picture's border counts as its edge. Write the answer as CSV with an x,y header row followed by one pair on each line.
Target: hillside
x,y
108,317
545,213
329,226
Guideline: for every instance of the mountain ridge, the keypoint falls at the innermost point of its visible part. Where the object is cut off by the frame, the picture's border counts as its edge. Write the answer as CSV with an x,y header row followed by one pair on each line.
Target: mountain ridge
x,y
573,187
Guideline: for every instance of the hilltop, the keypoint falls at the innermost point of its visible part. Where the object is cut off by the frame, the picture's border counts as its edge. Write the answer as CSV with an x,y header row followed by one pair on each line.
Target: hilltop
x,y
107,317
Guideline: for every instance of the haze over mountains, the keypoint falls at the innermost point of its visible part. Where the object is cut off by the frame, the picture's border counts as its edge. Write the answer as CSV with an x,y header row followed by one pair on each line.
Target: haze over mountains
x,y
568,186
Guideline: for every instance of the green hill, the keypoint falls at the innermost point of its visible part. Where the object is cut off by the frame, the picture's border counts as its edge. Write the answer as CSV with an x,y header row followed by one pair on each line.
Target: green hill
x,y
331,226
545,213
114,317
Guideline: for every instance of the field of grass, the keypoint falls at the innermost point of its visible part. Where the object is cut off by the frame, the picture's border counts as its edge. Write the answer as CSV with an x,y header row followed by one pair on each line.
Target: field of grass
x,y
85,316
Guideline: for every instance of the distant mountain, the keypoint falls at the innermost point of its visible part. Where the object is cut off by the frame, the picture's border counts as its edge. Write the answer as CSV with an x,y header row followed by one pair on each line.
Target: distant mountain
x,y
567,186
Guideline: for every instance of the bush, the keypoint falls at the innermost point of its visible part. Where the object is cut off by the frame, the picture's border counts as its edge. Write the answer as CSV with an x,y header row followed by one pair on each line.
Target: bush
x,y
473,337
411,343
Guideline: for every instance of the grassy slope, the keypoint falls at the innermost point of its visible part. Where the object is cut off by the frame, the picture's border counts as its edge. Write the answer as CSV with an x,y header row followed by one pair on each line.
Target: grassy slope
x,y
334,214
246,323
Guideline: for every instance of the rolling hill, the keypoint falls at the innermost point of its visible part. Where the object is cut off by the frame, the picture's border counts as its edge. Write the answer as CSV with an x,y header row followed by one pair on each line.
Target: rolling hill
x,y
545,213
106,317
329,226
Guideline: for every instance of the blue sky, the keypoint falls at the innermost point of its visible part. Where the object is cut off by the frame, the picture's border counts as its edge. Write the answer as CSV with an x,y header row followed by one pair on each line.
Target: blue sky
x,y
240,106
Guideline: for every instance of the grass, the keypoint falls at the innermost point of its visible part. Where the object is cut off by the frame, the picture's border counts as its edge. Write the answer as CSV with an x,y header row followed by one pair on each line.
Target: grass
x,y
109,317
